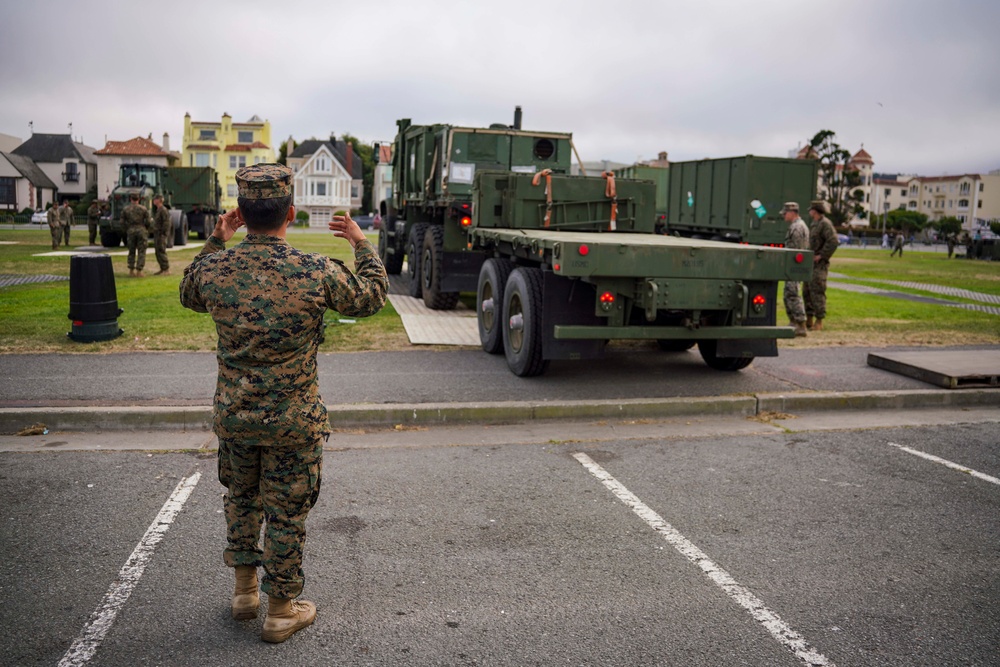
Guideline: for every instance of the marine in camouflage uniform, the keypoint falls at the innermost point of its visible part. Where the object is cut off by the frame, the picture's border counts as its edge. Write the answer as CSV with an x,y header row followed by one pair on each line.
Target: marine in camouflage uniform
x,y
66,213
796,238
137,222
93,217
823,242
161,234
267,300
54,218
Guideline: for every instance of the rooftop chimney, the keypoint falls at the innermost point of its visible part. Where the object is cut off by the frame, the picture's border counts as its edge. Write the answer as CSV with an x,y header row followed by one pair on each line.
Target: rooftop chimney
x,y
350,159
166,142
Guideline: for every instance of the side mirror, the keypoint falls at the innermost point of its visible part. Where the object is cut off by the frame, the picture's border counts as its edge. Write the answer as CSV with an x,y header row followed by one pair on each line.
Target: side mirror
x,y
376,149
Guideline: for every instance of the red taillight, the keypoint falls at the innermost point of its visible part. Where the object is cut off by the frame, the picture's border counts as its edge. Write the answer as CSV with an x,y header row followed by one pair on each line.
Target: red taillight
x,y
799,257
556,267
466,221
607,297
465,207
583,250
78,323
759,300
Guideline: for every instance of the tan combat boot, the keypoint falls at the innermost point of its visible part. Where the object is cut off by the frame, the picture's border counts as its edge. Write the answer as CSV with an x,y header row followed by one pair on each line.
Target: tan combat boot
x,y
809,322
818,326
131,273
138,273
285,618
246,597
800,330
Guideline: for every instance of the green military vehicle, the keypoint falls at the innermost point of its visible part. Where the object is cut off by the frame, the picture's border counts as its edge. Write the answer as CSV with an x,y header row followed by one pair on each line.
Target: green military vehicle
x,y
736,199
195,192
572,262
146,180
434,167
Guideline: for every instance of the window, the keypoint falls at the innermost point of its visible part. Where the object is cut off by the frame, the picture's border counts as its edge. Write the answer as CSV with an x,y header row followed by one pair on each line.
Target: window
x,y
321,189
232,191
201,159
354,190
8,191
980,187
244,137
71,174
321,164
257,159
980,204
961,219
902,193
237,161
889,192
206,134
963,189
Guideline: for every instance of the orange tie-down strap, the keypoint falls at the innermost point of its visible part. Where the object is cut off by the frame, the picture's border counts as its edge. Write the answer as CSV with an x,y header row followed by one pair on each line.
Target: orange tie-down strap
x,y
535,180
611,193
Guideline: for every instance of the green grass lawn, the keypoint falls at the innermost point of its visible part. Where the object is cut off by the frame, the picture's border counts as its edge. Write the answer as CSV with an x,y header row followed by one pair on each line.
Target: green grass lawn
x,y
34,317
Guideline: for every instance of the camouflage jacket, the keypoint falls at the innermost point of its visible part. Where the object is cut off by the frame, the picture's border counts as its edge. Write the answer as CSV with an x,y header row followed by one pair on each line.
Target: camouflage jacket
x,y
268,301
797,236
135,215
161,221
94,212
53,218
66,213
823,239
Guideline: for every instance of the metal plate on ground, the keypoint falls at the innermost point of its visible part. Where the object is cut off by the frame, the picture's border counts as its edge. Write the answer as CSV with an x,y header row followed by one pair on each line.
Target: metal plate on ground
x,y
952,369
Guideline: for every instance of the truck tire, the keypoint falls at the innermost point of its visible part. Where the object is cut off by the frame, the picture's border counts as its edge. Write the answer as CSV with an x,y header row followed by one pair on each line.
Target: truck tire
x,y
414,249
522,322
674,344
180,229
708,348
111,239
489,303
393,262
431,263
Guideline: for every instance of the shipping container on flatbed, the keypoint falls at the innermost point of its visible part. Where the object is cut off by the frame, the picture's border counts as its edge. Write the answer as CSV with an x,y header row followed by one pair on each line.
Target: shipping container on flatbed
x,y
737,199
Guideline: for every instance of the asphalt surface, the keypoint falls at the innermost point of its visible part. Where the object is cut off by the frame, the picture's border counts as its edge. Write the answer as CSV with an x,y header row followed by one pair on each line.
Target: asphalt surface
x,y
440,376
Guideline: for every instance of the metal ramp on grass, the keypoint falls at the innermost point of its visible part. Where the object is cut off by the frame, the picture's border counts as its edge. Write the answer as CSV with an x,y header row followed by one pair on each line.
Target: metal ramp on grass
x,y
951,369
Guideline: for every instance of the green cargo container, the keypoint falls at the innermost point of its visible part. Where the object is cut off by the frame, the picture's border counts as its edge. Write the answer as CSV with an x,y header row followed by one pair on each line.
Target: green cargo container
x,y
196,192
737,199
659,175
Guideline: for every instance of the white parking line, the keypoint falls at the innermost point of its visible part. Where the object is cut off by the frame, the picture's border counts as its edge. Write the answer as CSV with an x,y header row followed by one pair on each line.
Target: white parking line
x,y
84,647
945,462
792,640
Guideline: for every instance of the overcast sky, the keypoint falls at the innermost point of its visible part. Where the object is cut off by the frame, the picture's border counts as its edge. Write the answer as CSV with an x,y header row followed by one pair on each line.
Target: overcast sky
x,y
917,82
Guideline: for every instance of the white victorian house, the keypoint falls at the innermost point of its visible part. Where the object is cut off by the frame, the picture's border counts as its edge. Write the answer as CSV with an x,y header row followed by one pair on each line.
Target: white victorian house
x,y
327,179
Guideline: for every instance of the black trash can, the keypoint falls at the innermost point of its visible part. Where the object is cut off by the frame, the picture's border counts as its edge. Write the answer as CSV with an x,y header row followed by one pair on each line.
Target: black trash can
x,y
93,300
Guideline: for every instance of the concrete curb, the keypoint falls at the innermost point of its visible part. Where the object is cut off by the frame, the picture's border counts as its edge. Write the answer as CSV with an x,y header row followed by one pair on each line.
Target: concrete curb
x,y
13,420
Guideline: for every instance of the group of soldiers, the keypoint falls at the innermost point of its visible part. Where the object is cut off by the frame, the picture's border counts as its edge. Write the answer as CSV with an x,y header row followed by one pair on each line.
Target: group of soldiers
x,y
138,224
807,311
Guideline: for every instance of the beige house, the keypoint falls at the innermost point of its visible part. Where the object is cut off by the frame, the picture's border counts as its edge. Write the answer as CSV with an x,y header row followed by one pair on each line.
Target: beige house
x,y
70,165
972,198
23,185
327,178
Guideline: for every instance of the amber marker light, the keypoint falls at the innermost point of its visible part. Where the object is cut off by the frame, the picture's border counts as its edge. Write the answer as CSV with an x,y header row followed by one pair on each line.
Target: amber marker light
x,y
466,221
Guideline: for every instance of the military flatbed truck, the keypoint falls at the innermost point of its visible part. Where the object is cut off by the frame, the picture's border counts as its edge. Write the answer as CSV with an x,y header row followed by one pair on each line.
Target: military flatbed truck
x,y
571,262
147,181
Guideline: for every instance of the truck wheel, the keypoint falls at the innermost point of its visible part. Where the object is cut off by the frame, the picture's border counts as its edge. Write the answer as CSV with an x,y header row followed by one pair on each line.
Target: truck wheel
x,y
522,322
707,349
489,303
394,262
111,239
674,345
414,249
431,263
181,230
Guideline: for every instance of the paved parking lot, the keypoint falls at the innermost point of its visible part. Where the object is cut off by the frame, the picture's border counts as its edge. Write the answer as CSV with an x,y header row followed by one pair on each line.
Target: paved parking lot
x,y
760,548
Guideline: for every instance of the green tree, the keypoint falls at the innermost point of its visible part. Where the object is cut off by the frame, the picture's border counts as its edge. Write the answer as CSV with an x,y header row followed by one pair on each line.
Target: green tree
x,y
366,153
948,225
908,221
283,151
995,227
840,182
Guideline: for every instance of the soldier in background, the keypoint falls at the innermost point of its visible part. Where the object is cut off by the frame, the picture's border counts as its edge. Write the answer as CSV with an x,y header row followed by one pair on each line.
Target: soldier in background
x,y
268,415
67,216
897,244
55,220
823,243
797,237
161,233
950,240
93,217
137,222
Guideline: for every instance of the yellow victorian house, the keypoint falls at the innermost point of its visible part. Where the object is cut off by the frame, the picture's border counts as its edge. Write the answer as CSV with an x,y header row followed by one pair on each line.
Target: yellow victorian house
x,y
226,146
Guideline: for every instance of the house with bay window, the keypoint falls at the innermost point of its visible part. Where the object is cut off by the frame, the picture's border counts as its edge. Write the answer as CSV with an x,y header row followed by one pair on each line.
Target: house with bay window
x,y
69,164
327,178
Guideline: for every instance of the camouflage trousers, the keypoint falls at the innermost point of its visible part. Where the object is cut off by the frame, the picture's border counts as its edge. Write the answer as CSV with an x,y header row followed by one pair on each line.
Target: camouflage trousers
x,y
160,244
56,236
815,291
277,482
794,307
91,231
65,230
137,239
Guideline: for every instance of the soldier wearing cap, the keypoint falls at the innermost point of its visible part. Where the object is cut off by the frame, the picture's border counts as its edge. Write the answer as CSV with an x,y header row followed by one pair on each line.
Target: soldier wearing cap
x,y
66,212
797,237
268,301
823,243
162,227
137,222
54,218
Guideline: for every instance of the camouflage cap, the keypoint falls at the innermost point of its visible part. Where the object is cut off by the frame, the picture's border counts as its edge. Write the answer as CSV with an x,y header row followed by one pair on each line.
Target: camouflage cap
x,y
819,206
790,206
264,181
